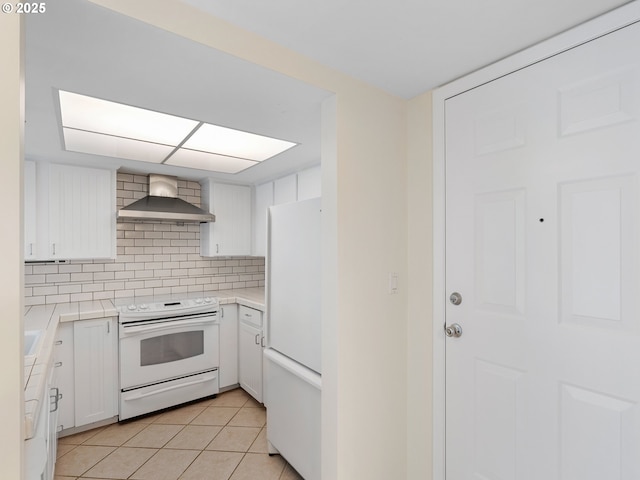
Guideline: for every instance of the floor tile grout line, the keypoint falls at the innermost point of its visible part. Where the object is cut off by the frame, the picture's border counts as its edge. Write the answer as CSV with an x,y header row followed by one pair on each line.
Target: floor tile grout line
x,y
247,403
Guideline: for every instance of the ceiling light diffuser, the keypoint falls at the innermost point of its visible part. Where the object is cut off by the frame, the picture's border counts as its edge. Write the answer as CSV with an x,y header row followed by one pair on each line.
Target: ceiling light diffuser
x,y
208,161
101,127
101,116
235,143
110,146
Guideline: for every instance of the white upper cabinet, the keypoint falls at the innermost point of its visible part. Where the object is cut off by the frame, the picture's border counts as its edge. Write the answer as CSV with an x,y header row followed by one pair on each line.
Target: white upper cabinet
x,y
30,209
263,199
70,212
309,183
285,189
82,210
230,234
296,187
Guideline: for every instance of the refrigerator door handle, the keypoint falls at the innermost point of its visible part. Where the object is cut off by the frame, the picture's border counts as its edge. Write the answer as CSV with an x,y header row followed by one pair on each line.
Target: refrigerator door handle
x,y
297,369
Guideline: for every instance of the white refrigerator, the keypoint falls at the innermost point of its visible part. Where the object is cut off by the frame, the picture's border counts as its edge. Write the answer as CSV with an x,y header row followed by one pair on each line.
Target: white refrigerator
x,y
292,359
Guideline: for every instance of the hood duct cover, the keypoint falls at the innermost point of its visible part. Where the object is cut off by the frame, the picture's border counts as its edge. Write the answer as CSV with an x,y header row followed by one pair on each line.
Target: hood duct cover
x,y
163,203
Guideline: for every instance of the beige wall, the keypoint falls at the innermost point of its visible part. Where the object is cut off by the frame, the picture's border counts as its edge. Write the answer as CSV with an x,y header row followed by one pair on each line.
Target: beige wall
x,y
419,314
11,155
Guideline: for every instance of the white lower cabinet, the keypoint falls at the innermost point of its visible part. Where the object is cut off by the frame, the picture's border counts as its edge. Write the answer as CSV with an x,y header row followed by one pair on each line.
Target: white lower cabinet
x,y
228,372
87,371
64,365
95,347
250,347
40,449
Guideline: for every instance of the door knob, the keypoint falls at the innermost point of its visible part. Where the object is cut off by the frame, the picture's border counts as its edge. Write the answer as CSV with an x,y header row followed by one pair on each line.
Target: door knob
x,y
453,330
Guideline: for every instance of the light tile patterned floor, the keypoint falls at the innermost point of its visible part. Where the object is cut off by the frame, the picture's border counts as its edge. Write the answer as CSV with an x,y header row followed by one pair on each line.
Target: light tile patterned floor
x,y
216,439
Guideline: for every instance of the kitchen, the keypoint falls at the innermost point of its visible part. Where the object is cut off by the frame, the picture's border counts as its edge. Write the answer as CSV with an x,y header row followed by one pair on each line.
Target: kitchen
x,y
367,144
161,267
201,269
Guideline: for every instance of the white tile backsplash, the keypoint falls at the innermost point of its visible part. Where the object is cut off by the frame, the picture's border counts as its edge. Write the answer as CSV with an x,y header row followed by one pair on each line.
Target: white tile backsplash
x,y
153,258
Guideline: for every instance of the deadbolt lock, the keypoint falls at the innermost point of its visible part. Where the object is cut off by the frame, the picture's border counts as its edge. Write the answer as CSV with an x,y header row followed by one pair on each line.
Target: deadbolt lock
x,y
455,298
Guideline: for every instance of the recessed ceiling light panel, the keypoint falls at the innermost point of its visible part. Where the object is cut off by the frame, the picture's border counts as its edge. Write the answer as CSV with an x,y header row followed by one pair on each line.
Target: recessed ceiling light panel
x,y
101,116
208,161
100,127
236,143
110,146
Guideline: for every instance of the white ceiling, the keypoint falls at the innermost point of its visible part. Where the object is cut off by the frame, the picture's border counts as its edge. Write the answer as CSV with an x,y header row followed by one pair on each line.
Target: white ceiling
x,y
402,46
406,47
83,48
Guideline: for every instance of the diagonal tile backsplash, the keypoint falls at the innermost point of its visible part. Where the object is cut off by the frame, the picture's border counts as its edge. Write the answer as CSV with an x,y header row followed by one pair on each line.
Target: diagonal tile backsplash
x,y
153,258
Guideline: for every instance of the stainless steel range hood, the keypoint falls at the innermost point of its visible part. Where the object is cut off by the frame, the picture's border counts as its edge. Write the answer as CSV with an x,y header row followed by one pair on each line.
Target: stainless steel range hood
x,y
163,203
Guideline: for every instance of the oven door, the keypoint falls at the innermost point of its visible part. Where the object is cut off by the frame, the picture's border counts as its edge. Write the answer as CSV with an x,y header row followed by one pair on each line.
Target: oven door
x,y
159,350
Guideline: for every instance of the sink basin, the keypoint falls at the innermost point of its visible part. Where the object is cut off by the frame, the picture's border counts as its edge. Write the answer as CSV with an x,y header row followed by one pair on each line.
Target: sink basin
x,y
31,341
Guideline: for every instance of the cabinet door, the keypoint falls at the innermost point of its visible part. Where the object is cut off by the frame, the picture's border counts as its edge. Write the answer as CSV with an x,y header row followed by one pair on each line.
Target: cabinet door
x,y
30,222
95,370
228,374
64,364
54,413
285,189
81,212
262,201
230,234
250,359
309,183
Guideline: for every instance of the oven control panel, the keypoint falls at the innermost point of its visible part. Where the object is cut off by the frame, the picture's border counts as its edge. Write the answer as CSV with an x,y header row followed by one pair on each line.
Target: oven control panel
x,y
156,308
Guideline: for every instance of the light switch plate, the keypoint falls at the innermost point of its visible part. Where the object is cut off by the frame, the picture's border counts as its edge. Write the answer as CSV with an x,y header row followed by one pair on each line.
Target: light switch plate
x,y
393,283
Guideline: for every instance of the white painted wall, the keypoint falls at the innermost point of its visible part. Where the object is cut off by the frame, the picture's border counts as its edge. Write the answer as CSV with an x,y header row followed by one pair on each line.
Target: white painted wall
x,y
364,206
11,285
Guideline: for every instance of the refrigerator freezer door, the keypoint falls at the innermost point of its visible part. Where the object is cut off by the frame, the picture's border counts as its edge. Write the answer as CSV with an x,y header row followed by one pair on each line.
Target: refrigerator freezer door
x,y
294,283
292,398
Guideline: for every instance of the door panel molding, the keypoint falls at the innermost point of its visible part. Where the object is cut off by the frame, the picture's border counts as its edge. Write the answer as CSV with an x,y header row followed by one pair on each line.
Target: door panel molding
x,y
607,23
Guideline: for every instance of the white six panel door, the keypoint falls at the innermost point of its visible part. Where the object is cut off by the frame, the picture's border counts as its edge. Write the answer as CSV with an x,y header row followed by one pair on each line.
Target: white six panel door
x,y
542,243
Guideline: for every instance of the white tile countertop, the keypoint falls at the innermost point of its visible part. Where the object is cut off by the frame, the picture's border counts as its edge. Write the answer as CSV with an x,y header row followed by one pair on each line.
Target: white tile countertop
x,y
43,320
250,297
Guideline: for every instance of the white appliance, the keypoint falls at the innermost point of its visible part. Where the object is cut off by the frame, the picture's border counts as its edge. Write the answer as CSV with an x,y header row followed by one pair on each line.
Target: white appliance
x,y
292,359
169,353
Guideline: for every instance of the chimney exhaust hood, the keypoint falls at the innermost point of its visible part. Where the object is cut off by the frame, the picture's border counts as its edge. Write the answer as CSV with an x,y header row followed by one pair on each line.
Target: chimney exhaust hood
x,y
163,203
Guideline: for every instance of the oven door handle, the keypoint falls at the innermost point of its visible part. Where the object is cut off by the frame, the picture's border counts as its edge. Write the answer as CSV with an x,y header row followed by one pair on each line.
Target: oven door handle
x,y
138,396
156,327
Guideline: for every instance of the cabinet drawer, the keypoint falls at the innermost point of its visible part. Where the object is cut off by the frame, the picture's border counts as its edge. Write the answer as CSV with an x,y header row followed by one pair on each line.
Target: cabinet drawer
x,y
250,316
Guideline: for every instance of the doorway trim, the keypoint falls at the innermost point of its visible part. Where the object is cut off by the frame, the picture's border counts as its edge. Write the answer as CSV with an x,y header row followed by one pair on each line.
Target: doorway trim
x,y
602,25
